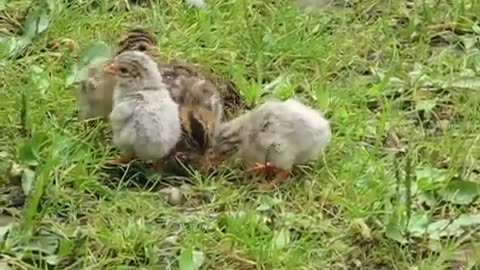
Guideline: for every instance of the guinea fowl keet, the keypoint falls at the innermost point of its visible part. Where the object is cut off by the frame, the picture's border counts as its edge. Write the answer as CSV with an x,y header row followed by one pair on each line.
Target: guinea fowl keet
x,y
96,91
145,120
274,137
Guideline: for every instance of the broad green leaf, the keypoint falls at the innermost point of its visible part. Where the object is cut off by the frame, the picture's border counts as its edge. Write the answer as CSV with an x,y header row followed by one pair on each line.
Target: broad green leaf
x,y
4,229
40,78
45,243
190,259
281,238
52,259
96,50
10,46
428,178
461,192
42,23
472,83
185,261
418,224
73,76
427,197
7,46
35,24
468,220
20,44
80,74
439,229
28,178
395,232
469,42
443,228
267,203
28,155
476,28
396,225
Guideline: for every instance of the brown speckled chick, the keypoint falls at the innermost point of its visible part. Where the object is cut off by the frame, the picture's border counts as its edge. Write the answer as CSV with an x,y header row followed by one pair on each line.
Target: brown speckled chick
x,y
201,111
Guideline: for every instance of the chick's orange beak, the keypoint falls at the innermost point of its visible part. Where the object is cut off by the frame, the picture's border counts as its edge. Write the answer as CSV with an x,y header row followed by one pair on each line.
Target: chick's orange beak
x,y
110,69
153,52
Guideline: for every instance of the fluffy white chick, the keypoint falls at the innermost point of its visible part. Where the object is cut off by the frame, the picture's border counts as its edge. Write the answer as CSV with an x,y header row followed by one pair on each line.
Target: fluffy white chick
x,y
275,136
145,120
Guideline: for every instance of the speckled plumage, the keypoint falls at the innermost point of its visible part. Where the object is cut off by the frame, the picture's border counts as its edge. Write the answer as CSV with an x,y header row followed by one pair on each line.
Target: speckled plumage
x,y
199,95
188,86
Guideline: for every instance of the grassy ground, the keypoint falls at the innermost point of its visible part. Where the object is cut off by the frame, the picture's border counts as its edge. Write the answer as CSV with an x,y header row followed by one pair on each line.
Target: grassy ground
x,y
396,189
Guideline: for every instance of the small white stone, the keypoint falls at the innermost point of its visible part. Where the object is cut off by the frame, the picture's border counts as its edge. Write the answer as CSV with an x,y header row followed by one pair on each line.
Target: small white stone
x,y
175,197
197,3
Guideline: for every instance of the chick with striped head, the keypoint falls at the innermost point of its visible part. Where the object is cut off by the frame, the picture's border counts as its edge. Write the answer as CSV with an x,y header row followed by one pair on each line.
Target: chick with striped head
x,y
96,91
200,113
145,120
198,94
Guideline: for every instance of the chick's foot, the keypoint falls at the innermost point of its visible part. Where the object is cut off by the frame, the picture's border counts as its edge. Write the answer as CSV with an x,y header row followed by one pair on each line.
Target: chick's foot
x,y
181,155
260,167
122,159
205,164
157,165
280,178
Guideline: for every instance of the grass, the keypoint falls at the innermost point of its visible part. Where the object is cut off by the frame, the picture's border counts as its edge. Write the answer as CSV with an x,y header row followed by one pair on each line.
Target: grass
x,y
396,189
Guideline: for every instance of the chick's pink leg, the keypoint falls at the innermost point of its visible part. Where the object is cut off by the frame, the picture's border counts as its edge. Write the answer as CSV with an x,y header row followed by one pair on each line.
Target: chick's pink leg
x,y
260,167
123,159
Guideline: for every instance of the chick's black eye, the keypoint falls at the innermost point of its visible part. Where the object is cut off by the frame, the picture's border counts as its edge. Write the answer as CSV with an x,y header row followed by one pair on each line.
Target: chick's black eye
x,y
123,70
142,48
